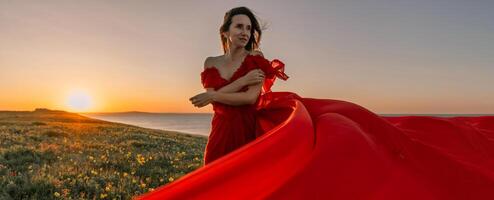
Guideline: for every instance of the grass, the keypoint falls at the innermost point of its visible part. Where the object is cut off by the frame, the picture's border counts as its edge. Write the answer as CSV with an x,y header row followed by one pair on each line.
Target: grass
x,y
59,155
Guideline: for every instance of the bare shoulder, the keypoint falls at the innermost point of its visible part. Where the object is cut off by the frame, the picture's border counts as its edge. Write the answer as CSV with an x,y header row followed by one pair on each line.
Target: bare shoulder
x,y
257,53
210,61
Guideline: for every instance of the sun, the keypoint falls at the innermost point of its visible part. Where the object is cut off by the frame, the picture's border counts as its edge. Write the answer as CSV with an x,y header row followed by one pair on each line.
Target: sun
x,y
79,100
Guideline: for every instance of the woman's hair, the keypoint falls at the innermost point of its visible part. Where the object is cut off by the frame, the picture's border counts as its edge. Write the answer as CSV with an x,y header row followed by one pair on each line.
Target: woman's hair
x,y
255,31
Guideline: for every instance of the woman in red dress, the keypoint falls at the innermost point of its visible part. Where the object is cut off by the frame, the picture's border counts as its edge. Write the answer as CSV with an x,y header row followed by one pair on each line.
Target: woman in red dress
x,y
278,145
232,85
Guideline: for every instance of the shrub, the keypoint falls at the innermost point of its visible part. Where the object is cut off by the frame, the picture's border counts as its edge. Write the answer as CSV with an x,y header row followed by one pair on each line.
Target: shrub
x,y
52,133
38,123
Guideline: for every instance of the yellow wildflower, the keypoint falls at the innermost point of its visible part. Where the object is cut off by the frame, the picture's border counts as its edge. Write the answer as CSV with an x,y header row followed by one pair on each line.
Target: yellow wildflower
x,y
141,159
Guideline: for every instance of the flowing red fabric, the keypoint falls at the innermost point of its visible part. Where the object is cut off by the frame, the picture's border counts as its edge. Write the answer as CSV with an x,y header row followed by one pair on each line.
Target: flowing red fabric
x,y
309,148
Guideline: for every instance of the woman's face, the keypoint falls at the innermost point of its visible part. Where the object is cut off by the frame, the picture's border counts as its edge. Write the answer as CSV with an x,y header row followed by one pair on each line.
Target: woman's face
x,y
239,32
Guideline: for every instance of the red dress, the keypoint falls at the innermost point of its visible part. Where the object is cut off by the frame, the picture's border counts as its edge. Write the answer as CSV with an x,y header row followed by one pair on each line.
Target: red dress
x,y
330,149
231,126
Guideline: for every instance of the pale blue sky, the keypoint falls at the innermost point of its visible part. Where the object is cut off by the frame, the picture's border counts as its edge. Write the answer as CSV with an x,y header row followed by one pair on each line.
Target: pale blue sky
x,y
388,56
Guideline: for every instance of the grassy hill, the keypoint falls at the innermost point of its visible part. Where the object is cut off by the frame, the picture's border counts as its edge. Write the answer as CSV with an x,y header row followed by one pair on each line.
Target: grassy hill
x,y
48,154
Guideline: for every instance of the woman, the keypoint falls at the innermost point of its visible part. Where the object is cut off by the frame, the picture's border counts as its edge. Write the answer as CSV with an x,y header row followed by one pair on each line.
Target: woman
x,y
233,84
289,147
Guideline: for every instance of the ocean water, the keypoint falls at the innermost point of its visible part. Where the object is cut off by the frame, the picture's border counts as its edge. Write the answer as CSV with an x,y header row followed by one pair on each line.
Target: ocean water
x,y
193,123
196,123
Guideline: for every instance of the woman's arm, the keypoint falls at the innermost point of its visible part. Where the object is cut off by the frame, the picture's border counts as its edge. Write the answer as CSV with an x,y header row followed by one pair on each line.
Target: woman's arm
x,y
229,94
235,86
253,77
234,99
239,98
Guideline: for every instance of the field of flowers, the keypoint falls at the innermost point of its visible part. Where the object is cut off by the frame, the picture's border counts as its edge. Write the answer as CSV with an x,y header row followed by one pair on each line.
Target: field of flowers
x,y
59,155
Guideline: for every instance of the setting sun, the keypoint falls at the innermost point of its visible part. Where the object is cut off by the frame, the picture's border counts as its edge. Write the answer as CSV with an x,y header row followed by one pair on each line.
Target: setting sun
x,y
79,100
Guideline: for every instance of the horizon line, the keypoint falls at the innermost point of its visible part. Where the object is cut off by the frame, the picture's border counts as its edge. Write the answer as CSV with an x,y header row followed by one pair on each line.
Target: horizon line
x,y
145,112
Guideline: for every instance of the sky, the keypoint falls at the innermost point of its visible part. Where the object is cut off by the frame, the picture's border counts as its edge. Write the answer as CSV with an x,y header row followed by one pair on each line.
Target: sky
x,y
390,56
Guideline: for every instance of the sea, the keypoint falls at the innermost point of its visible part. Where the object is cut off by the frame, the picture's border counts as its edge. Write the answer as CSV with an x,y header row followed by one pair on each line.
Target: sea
x,y
192,123
196,123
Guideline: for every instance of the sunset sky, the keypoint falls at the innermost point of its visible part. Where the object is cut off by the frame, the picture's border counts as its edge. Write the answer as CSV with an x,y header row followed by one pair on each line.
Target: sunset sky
x,y
399,56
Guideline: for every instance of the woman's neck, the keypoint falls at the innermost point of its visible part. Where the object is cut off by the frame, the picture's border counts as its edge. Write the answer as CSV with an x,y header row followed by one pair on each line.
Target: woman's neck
x,y
235,53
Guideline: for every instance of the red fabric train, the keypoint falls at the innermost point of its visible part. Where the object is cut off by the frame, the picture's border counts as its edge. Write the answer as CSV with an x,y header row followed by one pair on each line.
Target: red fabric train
x,y
307,148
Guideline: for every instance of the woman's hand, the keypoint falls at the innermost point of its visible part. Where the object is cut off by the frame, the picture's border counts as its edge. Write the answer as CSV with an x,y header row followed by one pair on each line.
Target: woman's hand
x,y
203,99
253,77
